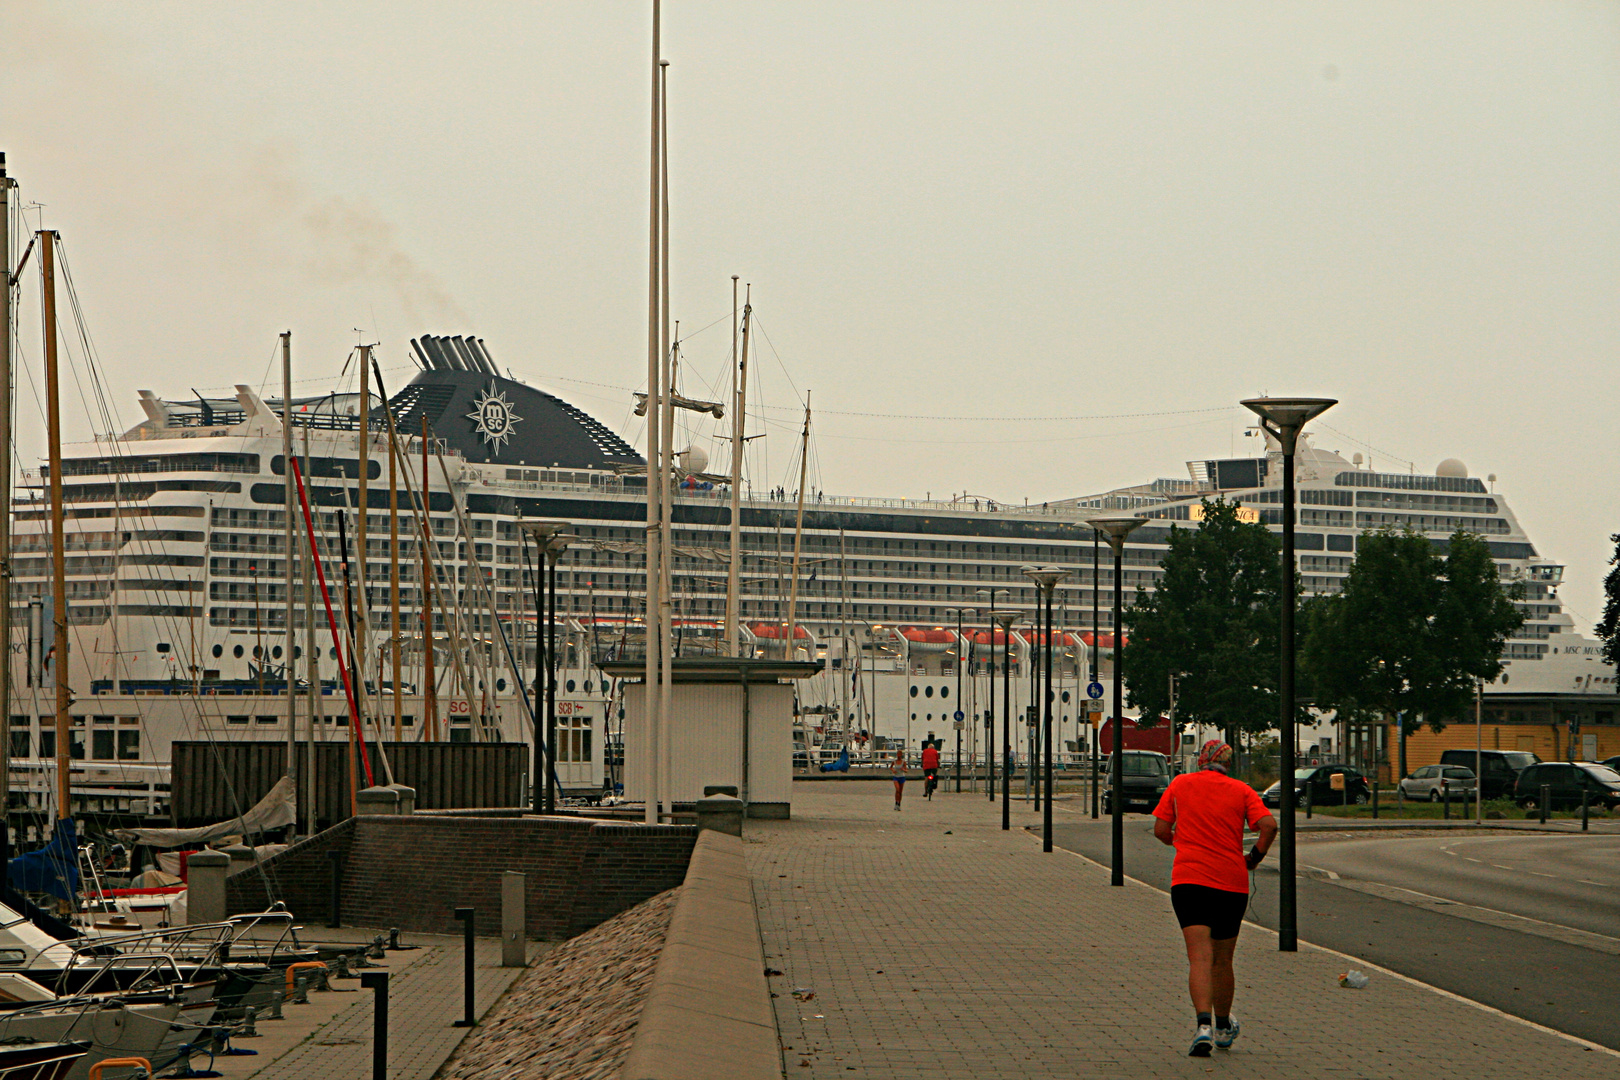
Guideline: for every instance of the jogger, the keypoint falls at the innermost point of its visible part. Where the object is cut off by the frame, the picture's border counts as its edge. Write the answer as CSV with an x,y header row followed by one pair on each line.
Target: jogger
x,y
897,769
1202,815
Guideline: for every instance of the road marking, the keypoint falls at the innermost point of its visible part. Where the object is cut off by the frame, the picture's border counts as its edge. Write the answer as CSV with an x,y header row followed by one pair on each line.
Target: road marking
x,y
1471,859
1499,866
1503,920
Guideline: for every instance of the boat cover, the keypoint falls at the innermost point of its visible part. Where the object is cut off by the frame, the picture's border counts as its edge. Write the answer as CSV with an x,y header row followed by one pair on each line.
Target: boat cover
x,y
52,869
276,809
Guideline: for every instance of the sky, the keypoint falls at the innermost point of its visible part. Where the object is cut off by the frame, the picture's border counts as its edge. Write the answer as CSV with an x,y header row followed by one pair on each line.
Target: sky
x,y
1016,250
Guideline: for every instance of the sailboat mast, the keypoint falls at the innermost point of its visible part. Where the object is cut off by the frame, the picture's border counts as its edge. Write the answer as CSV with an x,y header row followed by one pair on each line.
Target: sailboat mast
x,y
395,635
5,508
791,639
739,403
288,550
362,595
655,517
53,428
429,683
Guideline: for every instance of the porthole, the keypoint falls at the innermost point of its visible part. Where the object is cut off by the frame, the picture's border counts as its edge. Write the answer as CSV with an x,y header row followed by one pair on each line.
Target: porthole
x,y
237,652
570,685
257,652
1065,697
913,691
275,652
332,653
298,652
587,686
219,651
500,684
928,691
944,691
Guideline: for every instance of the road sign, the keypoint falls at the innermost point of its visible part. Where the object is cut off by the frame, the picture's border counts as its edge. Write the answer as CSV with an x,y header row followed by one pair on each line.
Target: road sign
x,y
960,716
958,724
1094,690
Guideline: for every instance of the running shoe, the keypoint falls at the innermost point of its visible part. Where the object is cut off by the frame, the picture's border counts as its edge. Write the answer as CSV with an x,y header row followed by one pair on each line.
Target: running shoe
x,y
1225,1037
1202,1043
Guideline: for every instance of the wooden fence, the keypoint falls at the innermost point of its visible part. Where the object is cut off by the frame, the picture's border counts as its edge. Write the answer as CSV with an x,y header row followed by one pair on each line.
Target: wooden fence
x,y
214,781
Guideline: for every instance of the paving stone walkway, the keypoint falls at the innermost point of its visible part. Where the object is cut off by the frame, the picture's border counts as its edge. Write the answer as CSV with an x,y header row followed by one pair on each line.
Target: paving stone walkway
x,y
424,1001
930,943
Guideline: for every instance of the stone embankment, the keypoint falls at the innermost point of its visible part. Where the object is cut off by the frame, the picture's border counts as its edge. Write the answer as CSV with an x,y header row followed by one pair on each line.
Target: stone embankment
x,y
572,1016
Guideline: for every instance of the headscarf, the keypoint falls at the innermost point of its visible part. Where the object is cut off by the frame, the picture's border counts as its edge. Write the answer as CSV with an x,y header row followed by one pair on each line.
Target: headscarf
x,y
1214,755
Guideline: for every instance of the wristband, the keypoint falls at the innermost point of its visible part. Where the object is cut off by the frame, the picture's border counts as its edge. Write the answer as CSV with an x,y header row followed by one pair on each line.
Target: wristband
x,y
1254,857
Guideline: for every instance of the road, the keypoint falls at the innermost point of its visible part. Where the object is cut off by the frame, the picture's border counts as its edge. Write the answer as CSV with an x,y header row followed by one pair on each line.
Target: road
x,y
1564,984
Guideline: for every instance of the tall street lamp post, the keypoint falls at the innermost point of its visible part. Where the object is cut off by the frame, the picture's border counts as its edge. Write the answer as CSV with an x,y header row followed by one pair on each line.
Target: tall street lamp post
x,y
542,532
990,708
1095,646
1005,620
1047,577
554,552
1114,530
1283,419
961,654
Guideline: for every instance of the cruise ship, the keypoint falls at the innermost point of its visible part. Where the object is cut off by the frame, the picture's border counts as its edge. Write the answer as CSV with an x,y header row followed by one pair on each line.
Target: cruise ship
x,y
177,608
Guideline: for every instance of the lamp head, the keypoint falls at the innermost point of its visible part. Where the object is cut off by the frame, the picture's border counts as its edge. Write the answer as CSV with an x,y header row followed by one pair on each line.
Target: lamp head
x,y
543,531
557,545
1046,577
1284,417
1005,619
1115,529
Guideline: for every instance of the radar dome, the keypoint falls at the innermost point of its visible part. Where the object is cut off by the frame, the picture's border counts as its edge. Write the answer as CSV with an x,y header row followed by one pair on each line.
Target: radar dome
x,y
693,459
1451,467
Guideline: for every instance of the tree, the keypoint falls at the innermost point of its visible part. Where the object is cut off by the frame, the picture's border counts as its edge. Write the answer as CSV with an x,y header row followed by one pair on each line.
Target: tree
x,y
1609,628
1212,621
1411,631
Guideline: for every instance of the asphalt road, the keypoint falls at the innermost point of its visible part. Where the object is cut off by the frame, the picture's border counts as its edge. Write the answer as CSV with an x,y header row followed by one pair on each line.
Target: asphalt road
x,y
1563,986
1566,880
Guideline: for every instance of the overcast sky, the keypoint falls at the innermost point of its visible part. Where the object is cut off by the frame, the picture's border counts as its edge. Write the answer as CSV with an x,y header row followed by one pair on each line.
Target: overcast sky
x,y
953,216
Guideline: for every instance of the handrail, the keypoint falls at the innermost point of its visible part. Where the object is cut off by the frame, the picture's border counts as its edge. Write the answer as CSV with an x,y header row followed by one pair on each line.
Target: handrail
x,y
302,964
123,1063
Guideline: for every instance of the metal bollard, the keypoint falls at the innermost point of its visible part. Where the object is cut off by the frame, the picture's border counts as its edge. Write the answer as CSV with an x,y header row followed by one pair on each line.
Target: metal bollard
x,y
1445,797
377,951
465,914
377,982
249,1030
1307,802
1546,797
301,988
343,971
1585,806
275,1008
336,858
393,939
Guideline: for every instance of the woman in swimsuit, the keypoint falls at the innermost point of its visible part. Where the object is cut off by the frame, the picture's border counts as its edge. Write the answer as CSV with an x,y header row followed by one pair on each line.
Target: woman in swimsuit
x,y
897,769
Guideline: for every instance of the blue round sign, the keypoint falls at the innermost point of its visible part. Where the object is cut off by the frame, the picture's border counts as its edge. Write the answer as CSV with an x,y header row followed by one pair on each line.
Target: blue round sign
x,y
960,715
1094,690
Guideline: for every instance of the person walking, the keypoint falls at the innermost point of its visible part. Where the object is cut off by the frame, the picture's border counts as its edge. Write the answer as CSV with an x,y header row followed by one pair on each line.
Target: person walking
x,y
930,768
1202,815
897,769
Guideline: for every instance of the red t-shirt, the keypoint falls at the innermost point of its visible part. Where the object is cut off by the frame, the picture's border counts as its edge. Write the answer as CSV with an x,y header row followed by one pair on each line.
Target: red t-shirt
x,y
1209,810
930,758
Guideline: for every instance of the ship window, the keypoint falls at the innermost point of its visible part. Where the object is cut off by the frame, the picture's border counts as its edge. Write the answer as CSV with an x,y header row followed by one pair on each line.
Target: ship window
x,y
101,745
236,719
47,743
20,738
129,745
162,647
237,652
267,719
219,650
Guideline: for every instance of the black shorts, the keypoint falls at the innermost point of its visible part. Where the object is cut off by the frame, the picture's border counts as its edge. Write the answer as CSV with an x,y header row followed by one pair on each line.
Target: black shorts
x,y
1200,905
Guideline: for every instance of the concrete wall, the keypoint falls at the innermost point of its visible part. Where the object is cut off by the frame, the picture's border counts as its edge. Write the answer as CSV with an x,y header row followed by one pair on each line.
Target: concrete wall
x,y
410,872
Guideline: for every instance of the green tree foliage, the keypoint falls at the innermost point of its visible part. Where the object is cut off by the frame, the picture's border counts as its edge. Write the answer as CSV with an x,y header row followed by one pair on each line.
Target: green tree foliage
x,y
1213,621
1411,630
1609,628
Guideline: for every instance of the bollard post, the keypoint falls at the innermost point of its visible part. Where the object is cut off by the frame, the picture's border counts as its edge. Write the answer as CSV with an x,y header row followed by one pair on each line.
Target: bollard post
x,y
335,857
377,982
465,914
1546,796
514,929
1307,801
1585,800
1445,796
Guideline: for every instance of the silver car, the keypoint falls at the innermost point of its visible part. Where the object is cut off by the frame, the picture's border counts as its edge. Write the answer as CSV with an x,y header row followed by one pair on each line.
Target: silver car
x,y
1432,781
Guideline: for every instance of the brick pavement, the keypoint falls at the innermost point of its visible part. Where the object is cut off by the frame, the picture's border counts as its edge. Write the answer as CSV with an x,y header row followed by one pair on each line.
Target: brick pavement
x,y
424,999
936,945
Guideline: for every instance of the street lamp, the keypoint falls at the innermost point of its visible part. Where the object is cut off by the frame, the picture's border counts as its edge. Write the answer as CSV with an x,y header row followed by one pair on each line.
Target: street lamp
x,y
1114,530
543,533
990,707
1047,577
1283,419
961,652
1005,619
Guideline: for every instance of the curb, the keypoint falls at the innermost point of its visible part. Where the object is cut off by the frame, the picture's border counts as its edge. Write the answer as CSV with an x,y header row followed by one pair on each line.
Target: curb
x,y
708,1011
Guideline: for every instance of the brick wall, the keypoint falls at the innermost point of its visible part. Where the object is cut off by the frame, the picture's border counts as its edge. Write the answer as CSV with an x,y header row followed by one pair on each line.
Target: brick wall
x,y
410,872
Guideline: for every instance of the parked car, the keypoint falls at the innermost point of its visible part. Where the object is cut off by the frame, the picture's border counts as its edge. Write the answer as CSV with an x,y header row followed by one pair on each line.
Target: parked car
x,y
1498,769
1565,780
1319,780
1433,781
1146,775
1612,763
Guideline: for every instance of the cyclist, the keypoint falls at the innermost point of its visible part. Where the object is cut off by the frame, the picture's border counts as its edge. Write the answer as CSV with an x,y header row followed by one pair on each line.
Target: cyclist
x,y
1202,815
930,767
